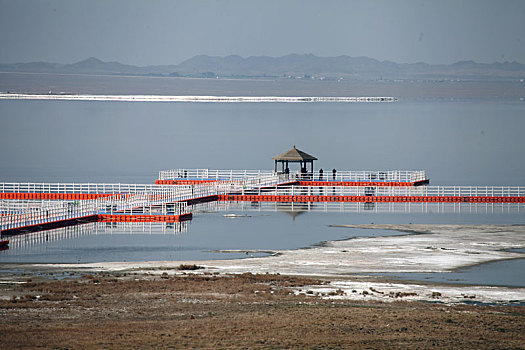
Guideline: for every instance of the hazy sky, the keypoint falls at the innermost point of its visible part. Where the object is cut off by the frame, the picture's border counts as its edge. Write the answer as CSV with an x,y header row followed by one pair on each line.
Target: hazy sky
x,y
168,32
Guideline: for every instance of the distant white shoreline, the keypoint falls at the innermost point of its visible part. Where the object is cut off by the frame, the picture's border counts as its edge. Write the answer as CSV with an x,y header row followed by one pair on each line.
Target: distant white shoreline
x,y
161,98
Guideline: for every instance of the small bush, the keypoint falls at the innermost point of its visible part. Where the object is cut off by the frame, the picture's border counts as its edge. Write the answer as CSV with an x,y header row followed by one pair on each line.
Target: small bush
x,y
183,267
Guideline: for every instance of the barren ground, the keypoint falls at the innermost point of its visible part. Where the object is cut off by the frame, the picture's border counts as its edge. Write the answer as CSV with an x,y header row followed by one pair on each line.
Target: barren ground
x,y
145,311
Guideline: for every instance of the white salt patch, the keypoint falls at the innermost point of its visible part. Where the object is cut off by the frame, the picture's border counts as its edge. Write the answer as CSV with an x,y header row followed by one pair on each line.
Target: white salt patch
x,y
162,98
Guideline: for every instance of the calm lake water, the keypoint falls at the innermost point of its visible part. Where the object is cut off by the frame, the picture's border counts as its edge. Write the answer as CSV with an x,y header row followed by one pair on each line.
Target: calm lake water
x,y
457,143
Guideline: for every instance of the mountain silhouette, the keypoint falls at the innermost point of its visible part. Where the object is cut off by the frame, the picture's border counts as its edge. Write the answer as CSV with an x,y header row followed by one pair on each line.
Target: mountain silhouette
x,y
295,66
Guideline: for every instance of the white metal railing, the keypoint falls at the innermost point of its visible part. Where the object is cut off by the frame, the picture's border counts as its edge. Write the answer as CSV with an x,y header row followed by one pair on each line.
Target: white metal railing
x,y
118,188
21,213
208,174
454,191
236,175
372,176
84,188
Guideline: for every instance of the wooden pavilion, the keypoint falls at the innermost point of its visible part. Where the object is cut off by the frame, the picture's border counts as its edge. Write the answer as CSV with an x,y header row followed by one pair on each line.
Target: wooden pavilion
x,y
294,156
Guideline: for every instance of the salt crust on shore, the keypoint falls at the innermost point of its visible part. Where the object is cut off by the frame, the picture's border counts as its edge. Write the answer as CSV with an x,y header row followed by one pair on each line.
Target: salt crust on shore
x,y
425,248
165,98
384,291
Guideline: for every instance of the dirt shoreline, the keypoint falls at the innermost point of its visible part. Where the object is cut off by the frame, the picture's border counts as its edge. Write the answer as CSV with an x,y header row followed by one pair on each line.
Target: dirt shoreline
x,y
140,310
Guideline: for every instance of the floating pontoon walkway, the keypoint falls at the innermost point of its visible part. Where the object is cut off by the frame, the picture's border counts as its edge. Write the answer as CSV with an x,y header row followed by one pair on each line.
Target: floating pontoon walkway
x,y
28,207
69,204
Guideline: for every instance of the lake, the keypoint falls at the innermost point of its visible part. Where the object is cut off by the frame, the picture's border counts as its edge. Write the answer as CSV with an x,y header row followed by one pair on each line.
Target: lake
x,y
457,143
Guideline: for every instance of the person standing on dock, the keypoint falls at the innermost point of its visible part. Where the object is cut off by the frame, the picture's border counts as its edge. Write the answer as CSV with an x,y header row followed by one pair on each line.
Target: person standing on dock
x,y
334,173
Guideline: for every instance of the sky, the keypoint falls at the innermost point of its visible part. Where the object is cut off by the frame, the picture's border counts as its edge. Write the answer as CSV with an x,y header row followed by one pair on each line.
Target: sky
x,y
168,32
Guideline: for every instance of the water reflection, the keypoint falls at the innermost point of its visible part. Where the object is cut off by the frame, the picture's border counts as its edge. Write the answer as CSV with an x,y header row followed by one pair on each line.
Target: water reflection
x,y
356,207
40,238
291,209
248,226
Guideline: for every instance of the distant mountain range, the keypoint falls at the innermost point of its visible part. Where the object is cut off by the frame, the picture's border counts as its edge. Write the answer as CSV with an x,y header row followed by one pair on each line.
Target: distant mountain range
x,y
291,67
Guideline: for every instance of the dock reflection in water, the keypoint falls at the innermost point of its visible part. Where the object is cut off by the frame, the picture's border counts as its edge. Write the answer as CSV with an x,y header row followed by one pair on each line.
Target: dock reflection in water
x,y
267,226
355,207
97,241
94,228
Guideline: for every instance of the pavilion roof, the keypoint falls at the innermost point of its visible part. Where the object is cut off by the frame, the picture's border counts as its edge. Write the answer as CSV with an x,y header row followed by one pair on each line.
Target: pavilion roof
x,y
294,155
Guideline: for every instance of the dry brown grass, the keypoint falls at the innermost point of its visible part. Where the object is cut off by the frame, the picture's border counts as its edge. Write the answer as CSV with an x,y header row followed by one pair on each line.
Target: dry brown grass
x,y
240,311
